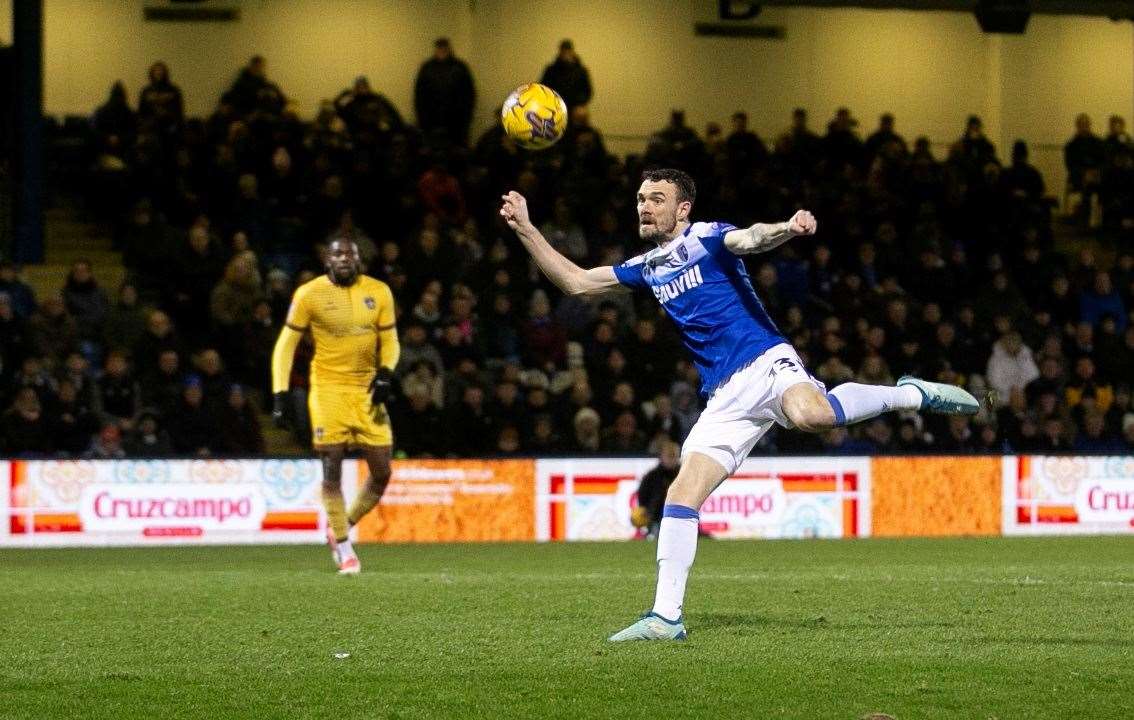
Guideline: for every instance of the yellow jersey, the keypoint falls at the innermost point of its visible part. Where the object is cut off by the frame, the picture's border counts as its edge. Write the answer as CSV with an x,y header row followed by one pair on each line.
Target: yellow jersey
x,y
345,323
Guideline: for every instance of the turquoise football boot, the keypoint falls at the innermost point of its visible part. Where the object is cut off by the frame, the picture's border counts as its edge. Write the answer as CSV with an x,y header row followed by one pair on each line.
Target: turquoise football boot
x,y
651,627
942,398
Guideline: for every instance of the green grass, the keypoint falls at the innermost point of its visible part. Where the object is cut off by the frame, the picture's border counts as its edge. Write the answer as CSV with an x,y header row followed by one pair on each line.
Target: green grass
x,y
1000,628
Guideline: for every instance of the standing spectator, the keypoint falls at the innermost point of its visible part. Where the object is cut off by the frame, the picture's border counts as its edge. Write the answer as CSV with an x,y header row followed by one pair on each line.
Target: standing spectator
x,y
653,487
1011,367
252,91
366,111
744,148
1021,178
884,136
444,96
115,123
1083,155
1117,140
85,300
974,149
568,76
160,105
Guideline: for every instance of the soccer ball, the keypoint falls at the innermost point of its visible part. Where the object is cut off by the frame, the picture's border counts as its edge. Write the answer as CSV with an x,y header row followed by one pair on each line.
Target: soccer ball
x,y
534,116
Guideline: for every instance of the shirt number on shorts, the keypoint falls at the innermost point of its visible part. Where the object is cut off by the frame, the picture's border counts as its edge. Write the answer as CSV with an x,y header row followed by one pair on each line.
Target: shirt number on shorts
x,y
785,365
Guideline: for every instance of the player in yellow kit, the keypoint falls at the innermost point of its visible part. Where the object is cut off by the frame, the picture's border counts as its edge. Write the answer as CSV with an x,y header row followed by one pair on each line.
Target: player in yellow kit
x,y
351,318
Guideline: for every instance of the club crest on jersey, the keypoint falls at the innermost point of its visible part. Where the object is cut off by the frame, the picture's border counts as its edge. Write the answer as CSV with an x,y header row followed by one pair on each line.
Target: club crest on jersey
x,y
687,280
369,301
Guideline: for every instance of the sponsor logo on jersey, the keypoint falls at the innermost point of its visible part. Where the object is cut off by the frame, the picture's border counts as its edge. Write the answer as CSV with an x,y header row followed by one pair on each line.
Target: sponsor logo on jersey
x,y
687,280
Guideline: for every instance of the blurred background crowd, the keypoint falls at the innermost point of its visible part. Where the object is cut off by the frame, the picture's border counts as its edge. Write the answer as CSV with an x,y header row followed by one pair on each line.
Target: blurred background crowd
x,y
953,265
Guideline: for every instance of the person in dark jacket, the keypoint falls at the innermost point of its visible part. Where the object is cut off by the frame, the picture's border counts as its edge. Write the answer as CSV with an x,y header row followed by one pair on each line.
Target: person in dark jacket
x,y
115,118
85,300
568,76
444,95
149,439
653,487
191,425
252,91
160,105
240,425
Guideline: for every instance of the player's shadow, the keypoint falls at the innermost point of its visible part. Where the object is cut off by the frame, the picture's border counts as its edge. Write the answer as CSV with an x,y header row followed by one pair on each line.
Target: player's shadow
x,y
735,621
1070,641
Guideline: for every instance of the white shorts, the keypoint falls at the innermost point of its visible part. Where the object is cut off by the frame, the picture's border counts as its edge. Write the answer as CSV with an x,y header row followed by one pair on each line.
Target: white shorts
x,y
741,410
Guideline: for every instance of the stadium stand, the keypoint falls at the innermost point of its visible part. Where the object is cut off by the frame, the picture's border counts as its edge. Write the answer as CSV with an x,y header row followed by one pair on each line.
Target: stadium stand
x,y
212,222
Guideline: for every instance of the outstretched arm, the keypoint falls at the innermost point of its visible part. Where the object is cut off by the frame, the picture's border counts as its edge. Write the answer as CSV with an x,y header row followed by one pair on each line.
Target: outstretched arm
x,y
567,276
763,237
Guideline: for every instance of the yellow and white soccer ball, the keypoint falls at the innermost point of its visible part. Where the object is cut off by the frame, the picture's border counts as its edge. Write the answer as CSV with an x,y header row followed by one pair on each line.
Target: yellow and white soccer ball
x,y
534,116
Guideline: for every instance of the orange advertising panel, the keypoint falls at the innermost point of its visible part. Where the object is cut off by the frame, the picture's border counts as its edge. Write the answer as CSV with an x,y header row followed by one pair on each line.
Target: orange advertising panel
x,y
453,501
926,496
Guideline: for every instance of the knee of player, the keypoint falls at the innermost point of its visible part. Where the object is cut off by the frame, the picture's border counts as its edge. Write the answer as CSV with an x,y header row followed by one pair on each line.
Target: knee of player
x,y
812,417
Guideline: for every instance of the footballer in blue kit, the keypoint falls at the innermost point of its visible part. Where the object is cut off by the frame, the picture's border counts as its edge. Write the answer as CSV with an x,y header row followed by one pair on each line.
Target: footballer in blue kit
x,y
751,377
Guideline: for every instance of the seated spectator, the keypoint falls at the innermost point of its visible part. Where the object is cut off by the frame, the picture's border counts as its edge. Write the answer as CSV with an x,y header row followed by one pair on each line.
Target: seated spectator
x,y
624,436
148,439
74,421
585,438
471,416
1085,389
508,441
85,301
20,295
24,430
1100,301
118,393
1095,439
191,426
419,424
1010,368
239,423
544,339
125,321
107,445
543,438
54,333
564,234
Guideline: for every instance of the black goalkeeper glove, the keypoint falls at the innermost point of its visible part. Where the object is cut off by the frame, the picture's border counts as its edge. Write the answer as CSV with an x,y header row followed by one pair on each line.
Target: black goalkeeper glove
x,y
382,386
279,404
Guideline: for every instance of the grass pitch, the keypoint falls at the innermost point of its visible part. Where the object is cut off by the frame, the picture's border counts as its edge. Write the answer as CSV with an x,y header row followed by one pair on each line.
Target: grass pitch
x,y
1037,628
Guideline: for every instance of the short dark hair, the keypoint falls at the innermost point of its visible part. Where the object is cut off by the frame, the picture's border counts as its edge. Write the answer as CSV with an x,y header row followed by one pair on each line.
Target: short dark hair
x,y
686,188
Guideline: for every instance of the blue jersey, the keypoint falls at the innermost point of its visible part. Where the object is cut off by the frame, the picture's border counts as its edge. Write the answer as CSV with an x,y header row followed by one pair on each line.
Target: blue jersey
x,y
705,289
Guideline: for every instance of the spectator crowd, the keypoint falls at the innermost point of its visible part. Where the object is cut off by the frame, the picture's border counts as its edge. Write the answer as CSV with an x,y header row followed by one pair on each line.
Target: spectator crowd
x,y
943,267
